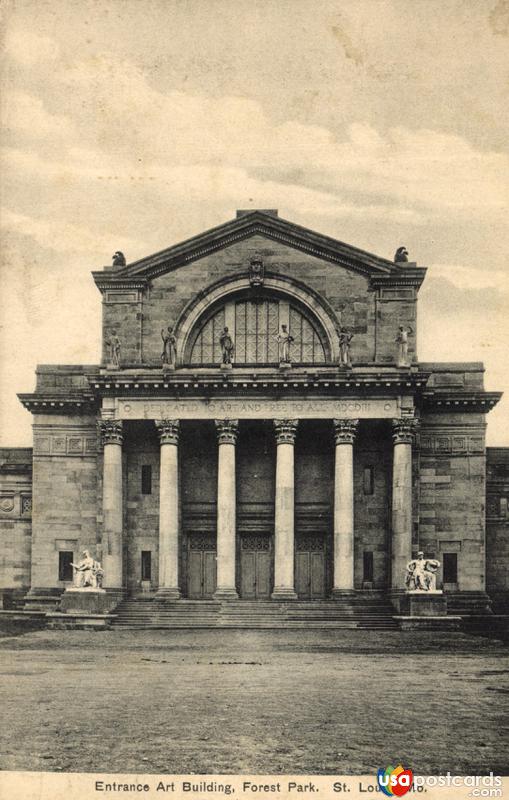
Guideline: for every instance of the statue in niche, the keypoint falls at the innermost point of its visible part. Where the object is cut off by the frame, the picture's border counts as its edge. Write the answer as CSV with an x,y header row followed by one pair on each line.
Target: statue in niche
x,y
227,347
345,337
284,340
401,255
88,573
402,342
256,271
119,259
114,350
422,574
169,354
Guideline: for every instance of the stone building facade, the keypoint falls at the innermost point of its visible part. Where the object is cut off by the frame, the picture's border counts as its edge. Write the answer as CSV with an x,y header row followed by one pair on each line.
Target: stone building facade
x,y
308,472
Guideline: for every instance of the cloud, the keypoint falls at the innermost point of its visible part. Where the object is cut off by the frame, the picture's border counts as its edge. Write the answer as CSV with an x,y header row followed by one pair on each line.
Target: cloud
x,y
61,238
29,48
24,112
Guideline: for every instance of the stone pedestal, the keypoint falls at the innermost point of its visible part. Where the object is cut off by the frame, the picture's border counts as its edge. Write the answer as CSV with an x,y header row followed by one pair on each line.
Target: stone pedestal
x,y
88,601
284,589
420,610
226,366
227,430
425,604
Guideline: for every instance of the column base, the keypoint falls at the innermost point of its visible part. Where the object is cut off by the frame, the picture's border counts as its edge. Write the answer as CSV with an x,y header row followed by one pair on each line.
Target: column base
x,y
226,594
283,593
168,593
338,594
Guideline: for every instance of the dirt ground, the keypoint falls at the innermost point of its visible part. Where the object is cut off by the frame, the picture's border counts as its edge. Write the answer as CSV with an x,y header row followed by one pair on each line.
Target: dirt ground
x,y
326,702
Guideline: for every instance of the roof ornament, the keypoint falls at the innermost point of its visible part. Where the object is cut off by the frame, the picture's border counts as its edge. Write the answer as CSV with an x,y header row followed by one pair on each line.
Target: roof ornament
x,y
401,255
119,259
256,271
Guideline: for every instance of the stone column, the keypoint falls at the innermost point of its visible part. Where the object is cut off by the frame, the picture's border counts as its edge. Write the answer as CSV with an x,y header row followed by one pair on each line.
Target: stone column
x,y
284,589
112,554
403,431
344,433
227,430
168,430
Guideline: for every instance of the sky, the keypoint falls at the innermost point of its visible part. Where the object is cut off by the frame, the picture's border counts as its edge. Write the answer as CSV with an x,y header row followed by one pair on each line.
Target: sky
x,y
131,125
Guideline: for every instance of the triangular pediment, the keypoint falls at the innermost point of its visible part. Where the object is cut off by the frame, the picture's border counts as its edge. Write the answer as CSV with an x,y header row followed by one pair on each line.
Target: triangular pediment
x,y
258,223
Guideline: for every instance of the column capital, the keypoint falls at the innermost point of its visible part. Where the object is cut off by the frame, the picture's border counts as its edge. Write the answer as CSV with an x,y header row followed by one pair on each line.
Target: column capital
x,y
227,430
286,430
111,431
168,430
345,430
404,430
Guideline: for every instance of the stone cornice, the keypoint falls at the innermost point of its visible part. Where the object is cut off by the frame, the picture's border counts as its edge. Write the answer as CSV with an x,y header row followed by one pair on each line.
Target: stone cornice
x,y
327,381
108,280
257,223
480,401
286,430
51,403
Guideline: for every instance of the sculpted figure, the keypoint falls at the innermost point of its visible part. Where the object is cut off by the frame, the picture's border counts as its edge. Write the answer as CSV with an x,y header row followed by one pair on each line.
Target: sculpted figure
x,y
284,341
83,571
227,346
169,354
401,255
421,573
114,345
402,342
345,337
119,259
88,573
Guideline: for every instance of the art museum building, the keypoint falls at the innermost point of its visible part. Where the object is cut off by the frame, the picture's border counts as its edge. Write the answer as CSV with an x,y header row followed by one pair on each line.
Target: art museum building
x,y
259,430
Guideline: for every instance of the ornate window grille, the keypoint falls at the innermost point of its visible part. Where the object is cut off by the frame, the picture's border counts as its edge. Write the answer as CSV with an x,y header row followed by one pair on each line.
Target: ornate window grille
x,y
256,324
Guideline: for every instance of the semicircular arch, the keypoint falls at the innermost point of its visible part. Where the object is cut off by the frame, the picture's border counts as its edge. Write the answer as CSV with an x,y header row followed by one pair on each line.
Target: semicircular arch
x,y
205,305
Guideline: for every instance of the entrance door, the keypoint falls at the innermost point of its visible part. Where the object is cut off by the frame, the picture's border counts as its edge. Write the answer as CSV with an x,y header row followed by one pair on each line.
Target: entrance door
x,y
201,566
310,566
255,567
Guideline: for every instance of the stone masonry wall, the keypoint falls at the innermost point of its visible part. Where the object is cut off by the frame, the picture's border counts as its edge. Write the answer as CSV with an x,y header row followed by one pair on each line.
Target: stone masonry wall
x,y
15,522
497,527
452,493
65,496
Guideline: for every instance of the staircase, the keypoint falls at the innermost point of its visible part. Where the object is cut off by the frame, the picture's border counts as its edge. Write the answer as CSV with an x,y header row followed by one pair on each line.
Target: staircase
x,y
152,614
356,612
252,614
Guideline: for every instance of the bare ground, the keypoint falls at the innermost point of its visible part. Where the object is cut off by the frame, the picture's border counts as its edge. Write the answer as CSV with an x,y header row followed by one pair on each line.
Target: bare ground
x,y
282,702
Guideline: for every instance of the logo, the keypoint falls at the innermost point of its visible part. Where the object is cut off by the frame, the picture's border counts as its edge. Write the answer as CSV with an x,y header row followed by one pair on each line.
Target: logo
x,y
395,781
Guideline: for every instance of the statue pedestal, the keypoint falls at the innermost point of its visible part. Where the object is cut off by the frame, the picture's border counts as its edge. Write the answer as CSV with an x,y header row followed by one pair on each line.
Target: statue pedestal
x,y
418,603
285,365
88,601
168,367
112,366
425,610
226,366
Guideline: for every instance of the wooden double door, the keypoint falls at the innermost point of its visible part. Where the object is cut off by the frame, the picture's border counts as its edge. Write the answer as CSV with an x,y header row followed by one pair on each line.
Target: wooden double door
x,y
256,556
201,566
310,566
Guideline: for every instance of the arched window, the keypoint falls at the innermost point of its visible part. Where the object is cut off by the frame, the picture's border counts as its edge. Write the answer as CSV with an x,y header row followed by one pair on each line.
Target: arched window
x,y
254,326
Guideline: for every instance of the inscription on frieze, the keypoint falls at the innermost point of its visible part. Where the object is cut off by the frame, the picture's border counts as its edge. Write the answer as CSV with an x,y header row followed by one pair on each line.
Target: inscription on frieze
x,y
257,409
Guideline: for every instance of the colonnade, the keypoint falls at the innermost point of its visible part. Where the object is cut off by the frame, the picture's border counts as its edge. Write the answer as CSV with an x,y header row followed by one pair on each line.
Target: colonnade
x,y
284,524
